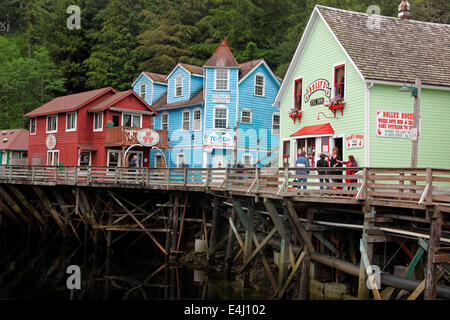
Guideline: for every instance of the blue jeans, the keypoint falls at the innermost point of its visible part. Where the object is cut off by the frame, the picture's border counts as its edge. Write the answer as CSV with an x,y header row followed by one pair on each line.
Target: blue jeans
x,y
302,180
326,181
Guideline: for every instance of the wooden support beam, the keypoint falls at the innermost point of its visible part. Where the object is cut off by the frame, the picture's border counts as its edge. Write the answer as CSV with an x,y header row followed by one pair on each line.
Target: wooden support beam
x,y
205,232
260,247
174,226
229,245
363,291
326,243
303,293
421,287
291,275
214,228
27,205
12,203
365,259
9,213
298,226
247,221
430,274
275,286
50,208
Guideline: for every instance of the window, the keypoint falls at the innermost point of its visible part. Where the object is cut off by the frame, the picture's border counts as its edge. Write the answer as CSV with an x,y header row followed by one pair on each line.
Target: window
x,y
85,159
197,124
132,120
33,126
52,123
246,116
339,80
286,153
71,121
152,122
142,90
98,121
259,85
165,121
52,157
325,144
298,94
116,120
113,159
158,161
247,160
180,160
16,155
178,86
220,118
276,123
186,120
221,82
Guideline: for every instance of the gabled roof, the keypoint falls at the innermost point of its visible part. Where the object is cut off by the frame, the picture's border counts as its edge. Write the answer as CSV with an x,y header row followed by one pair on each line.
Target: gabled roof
x,y
222,57
193,69
399,50
156,77
68,103
112,100
161,104
246,68
14,139
324,128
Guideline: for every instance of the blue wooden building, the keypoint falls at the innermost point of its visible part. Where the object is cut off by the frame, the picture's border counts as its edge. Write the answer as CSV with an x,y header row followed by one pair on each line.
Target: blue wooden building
x,y
217,115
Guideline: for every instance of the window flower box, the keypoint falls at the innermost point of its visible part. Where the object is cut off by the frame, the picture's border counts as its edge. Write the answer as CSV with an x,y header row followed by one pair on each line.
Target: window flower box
x,y
336,103
294,114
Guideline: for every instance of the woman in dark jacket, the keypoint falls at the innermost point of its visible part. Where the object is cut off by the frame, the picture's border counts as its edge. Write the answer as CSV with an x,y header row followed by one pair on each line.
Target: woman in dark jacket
x,y
336,162
322,163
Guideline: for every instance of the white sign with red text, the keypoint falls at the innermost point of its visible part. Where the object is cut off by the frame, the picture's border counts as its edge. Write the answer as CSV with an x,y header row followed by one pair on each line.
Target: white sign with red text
x,y
354,141
395,124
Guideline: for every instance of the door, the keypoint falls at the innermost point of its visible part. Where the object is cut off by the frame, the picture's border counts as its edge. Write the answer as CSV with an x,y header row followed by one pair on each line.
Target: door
x,y
338,142
139,155
219,161
52,158
311,150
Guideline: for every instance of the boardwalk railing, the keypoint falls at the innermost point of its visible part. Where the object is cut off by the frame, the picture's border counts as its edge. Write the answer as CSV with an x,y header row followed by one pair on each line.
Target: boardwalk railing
x,y
421,186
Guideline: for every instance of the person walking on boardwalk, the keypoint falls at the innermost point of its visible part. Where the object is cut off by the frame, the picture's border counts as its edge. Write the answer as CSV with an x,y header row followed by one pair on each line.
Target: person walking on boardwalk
x,y
133,164
351,163
302,162
322,163
336,162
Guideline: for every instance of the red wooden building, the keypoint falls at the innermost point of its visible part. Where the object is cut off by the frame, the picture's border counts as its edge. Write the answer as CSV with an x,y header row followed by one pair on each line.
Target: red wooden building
x,y
90,128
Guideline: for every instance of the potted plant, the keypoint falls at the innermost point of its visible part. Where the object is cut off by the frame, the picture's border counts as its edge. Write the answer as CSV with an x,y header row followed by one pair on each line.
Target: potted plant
x,y
109,124
294,113
336,103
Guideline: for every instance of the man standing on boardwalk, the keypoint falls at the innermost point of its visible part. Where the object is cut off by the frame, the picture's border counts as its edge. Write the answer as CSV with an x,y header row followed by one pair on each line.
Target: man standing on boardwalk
x,y
302,162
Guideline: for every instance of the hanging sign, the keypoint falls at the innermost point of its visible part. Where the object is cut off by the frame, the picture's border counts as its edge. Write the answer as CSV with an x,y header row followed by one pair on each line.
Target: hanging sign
x,y
396,124
317,85
221,98
147,137
315,102
354,141
216,139
50,142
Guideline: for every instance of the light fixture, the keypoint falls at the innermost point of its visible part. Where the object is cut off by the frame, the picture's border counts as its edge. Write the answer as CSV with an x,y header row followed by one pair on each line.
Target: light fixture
x,y
404,88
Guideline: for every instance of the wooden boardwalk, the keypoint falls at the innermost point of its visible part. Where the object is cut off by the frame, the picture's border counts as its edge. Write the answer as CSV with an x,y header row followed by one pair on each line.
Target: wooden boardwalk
x,y
404,187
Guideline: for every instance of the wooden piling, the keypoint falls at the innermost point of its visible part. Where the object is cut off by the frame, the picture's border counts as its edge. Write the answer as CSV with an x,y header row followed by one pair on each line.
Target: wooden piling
x,y
363,290
214,229
430,274
304,277
230,245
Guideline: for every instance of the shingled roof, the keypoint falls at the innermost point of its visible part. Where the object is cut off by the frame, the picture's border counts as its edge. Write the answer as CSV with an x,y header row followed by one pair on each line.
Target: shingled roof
x,y
161,104
222,57
14,139
157,77
193,69
68,103
399,50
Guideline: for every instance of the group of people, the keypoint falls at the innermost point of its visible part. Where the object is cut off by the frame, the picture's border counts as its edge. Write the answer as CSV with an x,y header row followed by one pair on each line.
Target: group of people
x,y
334,161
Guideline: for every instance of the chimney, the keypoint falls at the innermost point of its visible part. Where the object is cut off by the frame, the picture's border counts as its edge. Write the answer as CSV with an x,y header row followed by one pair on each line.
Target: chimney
x,y
403,10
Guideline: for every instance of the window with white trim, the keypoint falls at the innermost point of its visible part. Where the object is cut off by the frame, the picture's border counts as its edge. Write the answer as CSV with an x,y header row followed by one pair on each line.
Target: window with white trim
x,y
220,117
247,160
197,120
178,86
158,161
276,123
52,123
142,90
259,85
186,117
246,116
221,79
33,126
52,157
98,121
71,121
165,121
132,120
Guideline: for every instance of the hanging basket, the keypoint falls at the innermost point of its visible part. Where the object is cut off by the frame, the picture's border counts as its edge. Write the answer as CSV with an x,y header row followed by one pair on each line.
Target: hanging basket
x,y
297,116
336,107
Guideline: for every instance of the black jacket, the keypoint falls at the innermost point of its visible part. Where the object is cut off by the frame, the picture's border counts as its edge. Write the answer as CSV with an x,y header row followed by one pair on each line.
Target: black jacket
x,y
321,163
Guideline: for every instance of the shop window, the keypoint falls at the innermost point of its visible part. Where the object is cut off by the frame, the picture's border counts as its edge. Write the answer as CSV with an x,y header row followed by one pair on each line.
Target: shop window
x,y
286,153
325,144
298,94
339,81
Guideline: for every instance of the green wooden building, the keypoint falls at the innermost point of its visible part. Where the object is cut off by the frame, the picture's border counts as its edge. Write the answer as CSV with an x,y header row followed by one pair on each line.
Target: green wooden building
x,y
342,89
14,146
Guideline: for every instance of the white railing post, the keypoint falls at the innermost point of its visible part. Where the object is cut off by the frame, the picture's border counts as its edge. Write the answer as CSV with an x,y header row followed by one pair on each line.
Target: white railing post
x,y
208,172
286,177
10,173
257,179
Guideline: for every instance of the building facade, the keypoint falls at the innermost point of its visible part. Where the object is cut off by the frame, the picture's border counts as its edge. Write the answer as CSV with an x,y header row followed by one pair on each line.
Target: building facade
x,y
14,146
342,89
92,128
216,115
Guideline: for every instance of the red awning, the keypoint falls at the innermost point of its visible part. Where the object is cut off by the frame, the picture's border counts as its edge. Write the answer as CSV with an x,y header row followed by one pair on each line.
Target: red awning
x,y
318,129
86,147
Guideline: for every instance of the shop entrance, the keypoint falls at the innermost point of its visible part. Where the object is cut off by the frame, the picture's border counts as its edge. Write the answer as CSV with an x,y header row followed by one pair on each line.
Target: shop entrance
x,y
338,142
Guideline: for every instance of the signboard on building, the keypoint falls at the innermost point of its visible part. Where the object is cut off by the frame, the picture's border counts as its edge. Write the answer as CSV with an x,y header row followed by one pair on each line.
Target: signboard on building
x,y
395,124
217,139
147,137
221,98
50,142
317,85
354,141
315,102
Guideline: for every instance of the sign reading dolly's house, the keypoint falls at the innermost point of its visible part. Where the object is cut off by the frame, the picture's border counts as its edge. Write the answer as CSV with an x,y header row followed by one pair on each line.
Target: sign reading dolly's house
x,y
395,124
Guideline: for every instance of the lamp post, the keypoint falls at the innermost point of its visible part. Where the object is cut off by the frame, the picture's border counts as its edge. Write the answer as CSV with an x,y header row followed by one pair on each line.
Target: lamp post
x,y
415,92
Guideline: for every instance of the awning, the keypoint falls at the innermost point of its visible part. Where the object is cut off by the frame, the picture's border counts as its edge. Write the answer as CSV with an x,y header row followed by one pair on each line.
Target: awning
x,y
86,147
318,129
